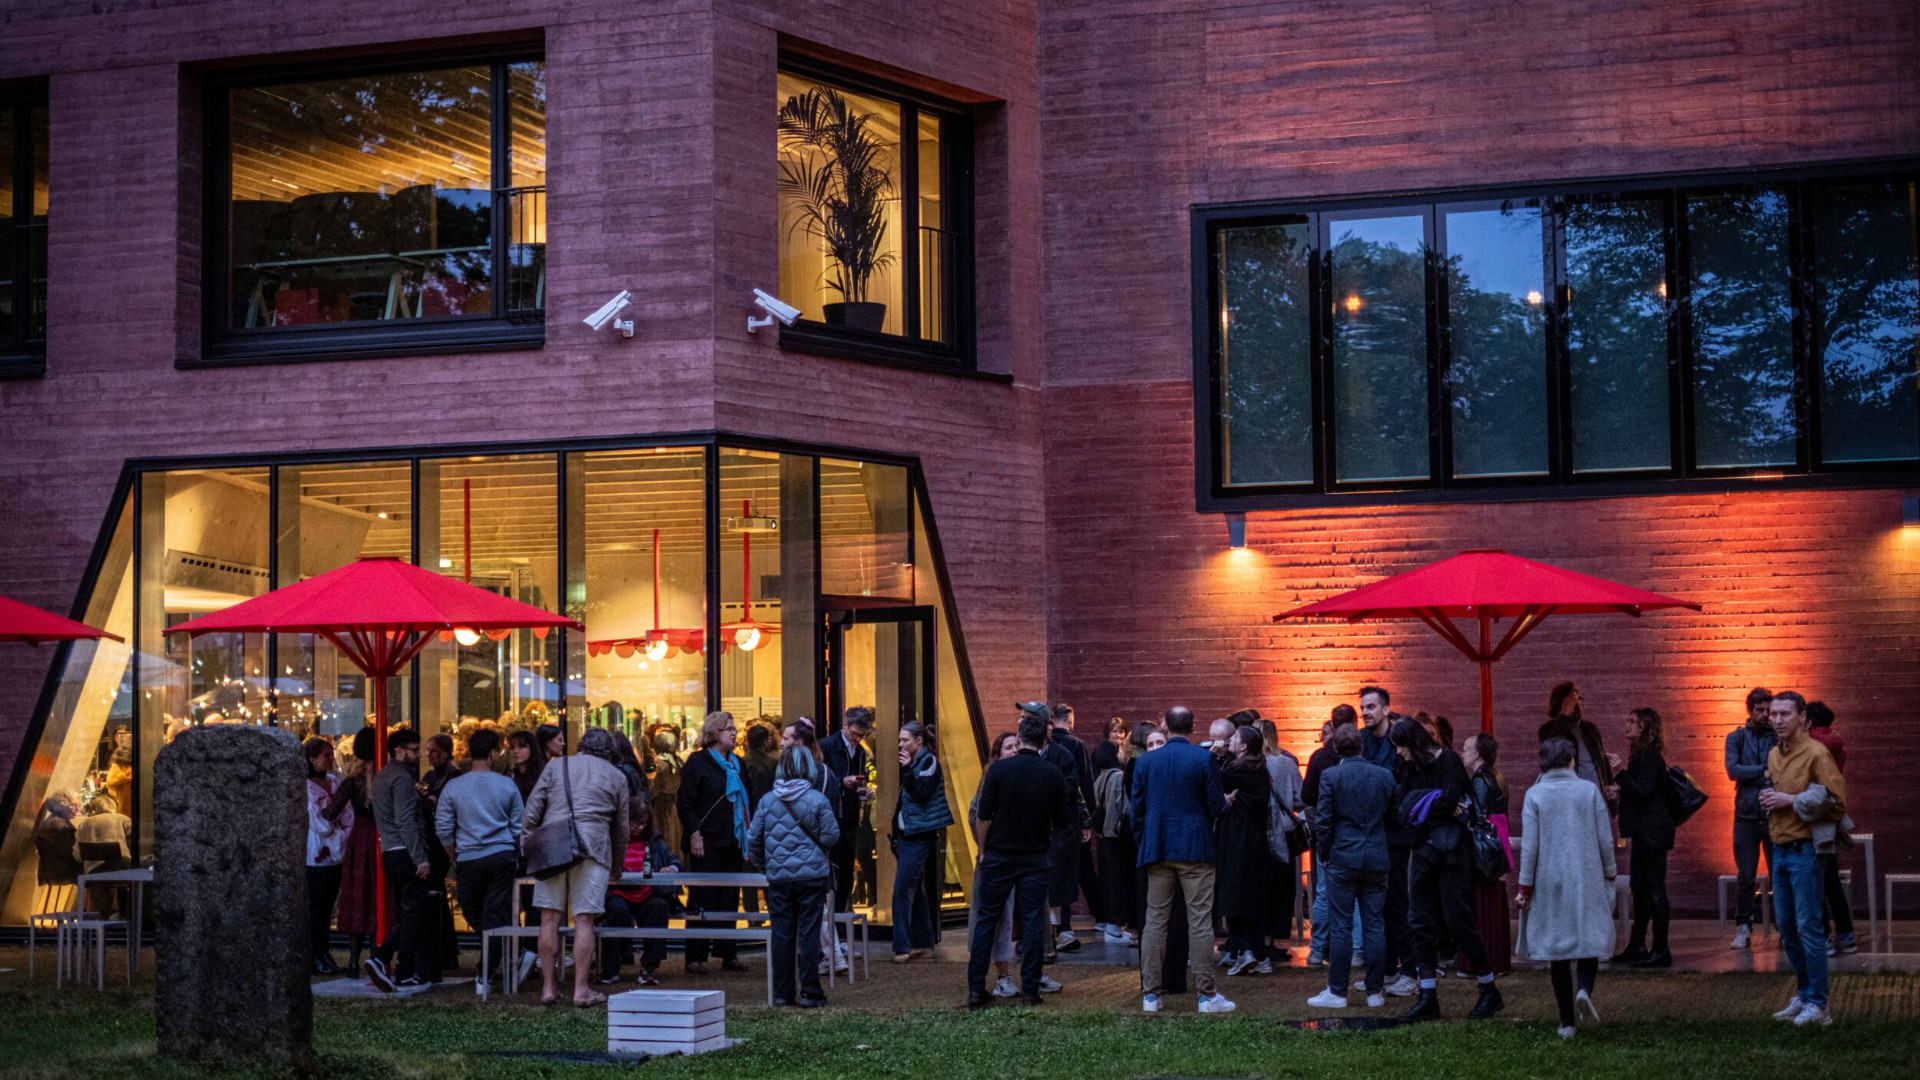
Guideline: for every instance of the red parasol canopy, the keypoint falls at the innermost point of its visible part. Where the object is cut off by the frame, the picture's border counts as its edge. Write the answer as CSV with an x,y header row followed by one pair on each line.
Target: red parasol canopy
x,y
1486,586
30,625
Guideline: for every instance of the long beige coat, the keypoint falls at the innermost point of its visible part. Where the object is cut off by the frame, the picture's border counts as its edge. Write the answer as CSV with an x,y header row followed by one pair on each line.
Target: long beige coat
x,y
1566,855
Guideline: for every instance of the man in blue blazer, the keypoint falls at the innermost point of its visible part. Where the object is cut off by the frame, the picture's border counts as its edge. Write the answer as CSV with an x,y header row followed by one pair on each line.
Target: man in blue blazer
x,y
1176,795
1355,798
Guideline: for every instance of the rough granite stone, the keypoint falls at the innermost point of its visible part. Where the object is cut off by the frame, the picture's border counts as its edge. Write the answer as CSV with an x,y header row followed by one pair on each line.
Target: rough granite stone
x,y
230,899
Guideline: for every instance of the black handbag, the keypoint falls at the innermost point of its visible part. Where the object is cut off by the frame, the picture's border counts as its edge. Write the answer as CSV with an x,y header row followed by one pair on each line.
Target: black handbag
x,y
554,847
1684,797
1489,858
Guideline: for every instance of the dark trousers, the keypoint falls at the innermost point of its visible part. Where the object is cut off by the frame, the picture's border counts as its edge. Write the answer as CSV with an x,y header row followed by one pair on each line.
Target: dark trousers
x,y
1369,887
796,908
616,952
1563,983
439,912
1090,884
724,860
1648,868
1839,906
1246,934
1442,899
1022,876
407,950
843,861
1399,910
912,911
486,889
323,888
1750,838
1117,881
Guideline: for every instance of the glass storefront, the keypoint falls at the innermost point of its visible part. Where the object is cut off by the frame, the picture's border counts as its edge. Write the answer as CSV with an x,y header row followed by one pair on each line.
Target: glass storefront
x,y
772,584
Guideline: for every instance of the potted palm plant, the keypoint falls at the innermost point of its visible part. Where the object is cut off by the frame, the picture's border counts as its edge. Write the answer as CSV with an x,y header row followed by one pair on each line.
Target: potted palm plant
x,y
834,173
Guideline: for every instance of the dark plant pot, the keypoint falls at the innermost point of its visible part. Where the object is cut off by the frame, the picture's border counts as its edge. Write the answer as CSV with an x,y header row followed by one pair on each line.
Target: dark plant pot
x,y
864,315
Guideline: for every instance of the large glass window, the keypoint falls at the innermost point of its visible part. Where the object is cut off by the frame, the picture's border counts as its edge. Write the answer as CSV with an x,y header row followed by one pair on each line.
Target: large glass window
x,y
874,227
755,636
1380,348
1616,274
23,234
394,197
1266,353
1741,304
1497,341
1868,277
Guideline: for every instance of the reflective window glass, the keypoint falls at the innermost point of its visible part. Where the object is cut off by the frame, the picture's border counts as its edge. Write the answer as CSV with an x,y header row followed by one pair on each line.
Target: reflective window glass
x,y
1497,364
1742,312
1380,349
1266,354
1865,271
1617,335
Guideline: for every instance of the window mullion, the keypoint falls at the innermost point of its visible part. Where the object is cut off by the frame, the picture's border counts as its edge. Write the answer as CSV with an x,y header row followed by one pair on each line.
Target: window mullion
x,y
910,218
1439,354
1807,353
502,172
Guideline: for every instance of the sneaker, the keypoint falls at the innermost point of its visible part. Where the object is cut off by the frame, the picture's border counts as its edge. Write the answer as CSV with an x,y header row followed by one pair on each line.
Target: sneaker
x,y
1115,935
1846,945
839,965
527,962
1066,942
1375,1001
1742,938
646,978
1403,986
376,973
696,967
1327,999
1584,1000
1049,984
1792,1010
410,982
1314,959
1150,1003
1565,1032
1814,1015
1261,967
1005,987
608,980
1239,963
1215,1003
1102,928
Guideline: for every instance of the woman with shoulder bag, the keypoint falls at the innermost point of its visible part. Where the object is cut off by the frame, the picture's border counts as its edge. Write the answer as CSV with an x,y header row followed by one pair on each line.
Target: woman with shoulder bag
x,y
789,840
1294,838
1440,878
1245,868
921,815
1113,839
712,802
1646,819
1488,792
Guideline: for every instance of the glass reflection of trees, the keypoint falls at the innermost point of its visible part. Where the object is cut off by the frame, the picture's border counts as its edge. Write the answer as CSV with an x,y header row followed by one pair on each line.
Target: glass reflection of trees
x,y
1266,354
1617,334
1496,315
1380,349
1868,326
1742,313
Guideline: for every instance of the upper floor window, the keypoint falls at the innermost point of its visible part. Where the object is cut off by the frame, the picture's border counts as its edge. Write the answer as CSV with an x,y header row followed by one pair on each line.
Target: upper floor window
x,y
404,205
875,186
23,235
1564,337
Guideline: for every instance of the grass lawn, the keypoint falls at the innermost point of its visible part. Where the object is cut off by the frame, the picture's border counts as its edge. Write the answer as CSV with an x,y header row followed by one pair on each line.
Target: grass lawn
x,y
905,1023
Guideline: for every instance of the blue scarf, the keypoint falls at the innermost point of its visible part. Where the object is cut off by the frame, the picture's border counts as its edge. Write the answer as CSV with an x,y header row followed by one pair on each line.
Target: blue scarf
x,y
736,794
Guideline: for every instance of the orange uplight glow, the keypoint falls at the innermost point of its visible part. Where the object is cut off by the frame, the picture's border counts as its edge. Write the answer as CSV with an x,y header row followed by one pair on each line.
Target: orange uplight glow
x,y
1353,303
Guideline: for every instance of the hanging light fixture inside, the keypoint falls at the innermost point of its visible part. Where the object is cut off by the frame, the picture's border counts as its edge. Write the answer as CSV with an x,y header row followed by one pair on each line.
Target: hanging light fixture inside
x,y
466,636
658,643
747,634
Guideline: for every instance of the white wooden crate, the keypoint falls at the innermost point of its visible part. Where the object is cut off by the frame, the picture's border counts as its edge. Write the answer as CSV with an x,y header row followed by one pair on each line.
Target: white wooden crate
x,y
667,1021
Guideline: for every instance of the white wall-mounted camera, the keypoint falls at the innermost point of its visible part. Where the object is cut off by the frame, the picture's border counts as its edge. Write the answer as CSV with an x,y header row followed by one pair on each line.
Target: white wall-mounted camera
x,y
774,307
600,319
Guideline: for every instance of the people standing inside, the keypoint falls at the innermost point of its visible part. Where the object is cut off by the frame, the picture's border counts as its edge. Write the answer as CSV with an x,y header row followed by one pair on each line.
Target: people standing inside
x,y
1070,857
1488,792
1646,820
1376,745
1353,799
647,853
1441,871
1284,770
1113,841
588,789
478,822
1176,796
758,765
1591,761
1807,796
1566,879
403,855
527,761
663,793
351,810
1839,921
919,819
789,841
846,758
326,851
1322,759
1244,876
1023,800
1747,748
713,813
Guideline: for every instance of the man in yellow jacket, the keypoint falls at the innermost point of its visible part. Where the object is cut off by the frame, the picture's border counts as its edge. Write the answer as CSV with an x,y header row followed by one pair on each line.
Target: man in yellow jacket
x,y
1795,764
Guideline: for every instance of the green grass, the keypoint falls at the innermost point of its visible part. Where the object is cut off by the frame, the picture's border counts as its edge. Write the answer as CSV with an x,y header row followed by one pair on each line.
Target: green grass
x,y
86,1035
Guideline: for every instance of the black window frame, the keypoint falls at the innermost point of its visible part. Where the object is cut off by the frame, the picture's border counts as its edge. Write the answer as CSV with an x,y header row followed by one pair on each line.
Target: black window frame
x,y
20,355
1214,494
223,345
957,207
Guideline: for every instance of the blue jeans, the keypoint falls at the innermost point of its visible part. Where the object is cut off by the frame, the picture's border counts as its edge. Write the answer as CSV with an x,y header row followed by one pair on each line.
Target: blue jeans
x,y
1799,891
912,913
1366,890
1317,942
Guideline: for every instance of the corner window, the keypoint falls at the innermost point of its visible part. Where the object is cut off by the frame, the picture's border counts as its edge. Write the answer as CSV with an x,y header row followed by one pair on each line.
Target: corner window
x,y
23,236
380,211
875,227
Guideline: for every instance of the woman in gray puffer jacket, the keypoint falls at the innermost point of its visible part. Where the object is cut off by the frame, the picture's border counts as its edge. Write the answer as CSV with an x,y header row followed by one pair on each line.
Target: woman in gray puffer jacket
x,y
792,830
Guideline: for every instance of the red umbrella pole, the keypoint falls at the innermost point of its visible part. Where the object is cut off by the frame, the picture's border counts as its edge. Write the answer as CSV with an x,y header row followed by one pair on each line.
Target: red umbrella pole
x,y
1486,672
379,762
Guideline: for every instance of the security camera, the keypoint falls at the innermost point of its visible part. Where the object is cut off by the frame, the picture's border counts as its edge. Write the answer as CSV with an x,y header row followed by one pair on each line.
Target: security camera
x,y
774,307
599,319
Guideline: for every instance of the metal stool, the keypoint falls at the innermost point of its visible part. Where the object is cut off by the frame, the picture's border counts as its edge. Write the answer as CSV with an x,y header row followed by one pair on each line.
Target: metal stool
x,y
74,945
55,921
1765,885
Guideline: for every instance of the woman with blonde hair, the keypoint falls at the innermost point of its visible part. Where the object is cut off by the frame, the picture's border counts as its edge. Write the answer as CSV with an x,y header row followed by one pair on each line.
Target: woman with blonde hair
x,y
712,802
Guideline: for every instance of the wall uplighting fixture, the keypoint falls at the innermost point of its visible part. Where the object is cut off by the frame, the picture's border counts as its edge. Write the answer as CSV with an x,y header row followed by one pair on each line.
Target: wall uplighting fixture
x,y
1236,530
1910,512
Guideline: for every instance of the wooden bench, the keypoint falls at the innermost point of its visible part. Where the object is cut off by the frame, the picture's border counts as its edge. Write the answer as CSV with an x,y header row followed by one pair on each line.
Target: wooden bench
x,y
631,933
849,919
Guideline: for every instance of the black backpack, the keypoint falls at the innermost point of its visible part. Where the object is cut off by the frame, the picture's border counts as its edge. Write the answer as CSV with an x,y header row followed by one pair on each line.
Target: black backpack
x,y
1684,797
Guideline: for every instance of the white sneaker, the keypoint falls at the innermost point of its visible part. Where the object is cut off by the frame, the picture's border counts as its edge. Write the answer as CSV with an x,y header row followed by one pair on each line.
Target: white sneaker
x,y
1742,938
1584,999
1102,928
1066,942
1005,987
1239,963
1793,1009
1115,935
1375,1001
1261,967
1049,984
1215,1003
1403,986
1150,1003
1813,1015
1327,999
1565,1032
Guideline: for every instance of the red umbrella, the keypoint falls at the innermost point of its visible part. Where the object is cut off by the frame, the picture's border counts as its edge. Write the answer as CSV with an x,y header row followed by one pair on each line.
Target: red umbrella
x,y
30,625
379,613
1486,586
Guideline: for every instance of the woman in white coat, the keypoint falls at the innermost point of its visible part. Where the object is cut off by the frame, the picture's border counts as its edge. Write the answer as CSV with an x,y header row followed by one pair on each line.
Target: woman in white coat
x,y
1566,879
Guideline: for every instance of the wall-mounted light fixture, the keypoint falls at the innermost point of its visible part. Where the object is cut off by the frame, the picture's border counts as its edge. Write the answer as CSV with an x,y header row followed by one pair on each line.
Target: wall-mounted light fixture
x,y
1236,530
1910,512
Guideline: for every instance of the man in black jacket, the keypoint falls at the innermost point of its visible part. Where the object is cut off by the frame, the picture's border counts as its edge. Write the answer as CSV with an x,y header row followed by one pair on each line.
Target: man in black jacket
x,y
1064,752
846,758
1024,802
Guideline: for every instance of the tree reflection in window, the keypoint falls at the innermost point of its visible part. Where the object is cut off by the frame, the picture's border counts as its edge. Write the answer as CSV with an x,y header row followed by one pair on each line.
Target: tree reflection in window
x,y
1266,353
1868,329
1743,370
1380,349
1496,368
1617,335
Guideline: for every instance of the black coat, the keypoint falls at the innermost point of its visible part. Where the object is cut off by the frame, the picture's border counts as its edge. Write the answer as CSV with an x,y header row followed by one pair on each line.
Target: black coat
x,y
703,804
1445,835
840,764
1245,867
1645,816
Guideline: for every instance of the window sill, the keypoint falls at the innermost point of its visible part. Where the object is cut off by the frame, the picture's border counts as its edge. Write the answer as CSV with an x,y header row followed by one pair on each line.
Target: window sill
x,y
30,364
1891,475
369,342
818,339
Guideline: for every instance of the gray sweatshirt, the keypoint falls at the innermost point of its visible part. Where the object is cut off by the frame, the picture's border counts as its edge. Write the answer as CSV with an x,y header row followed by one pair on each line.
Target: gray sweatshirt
x,y
396,812
480,815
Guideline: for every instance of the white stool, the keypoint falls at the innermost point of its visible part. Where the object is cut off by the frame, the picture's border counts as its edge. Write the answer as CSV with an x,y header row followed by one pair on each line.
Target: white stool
x,y
55,921
1892,880
75,934
1762,881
